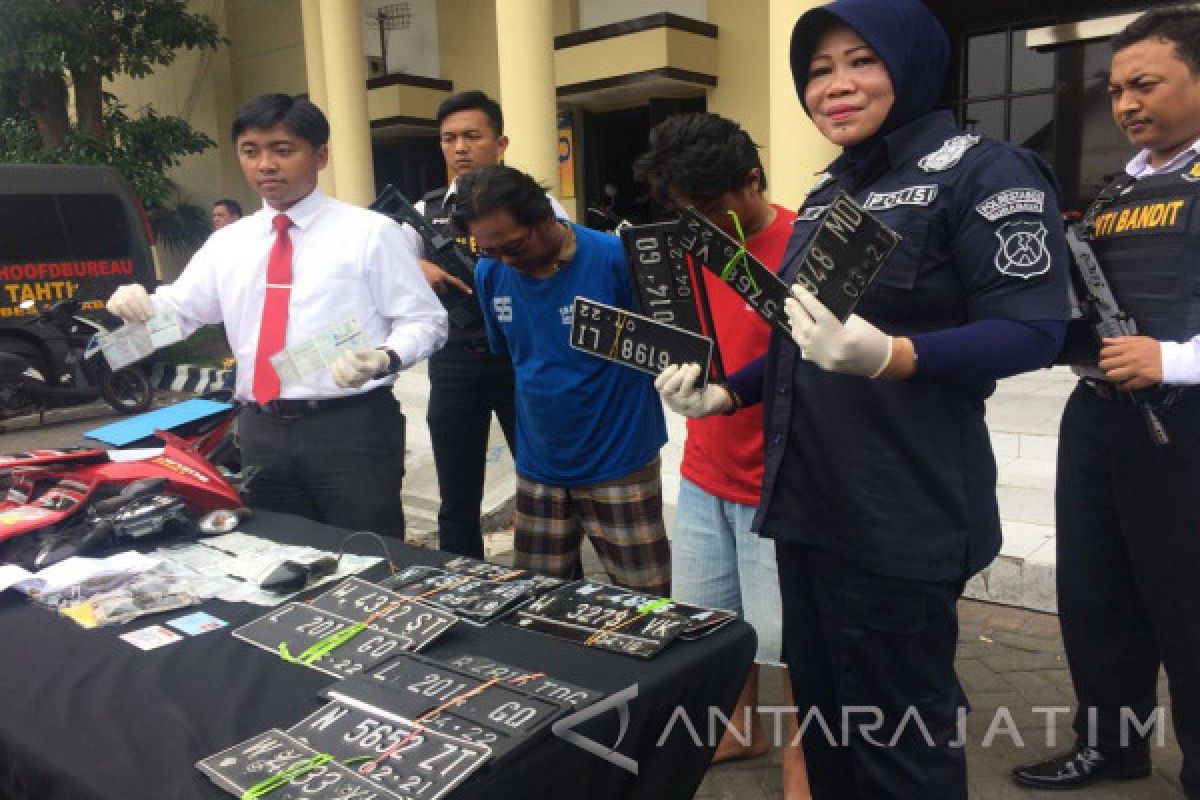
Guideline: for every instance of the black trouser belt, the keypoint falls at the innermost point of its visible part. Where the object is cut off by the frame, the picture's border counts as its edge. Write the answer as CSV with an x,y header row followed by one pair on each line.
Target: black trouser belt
x,y
293,409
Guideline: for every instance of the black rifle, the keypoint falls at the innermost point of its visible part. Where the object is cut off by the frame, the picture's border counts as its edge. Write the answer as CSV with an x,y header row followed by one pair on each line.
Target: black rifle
x,y
1101,312
443,250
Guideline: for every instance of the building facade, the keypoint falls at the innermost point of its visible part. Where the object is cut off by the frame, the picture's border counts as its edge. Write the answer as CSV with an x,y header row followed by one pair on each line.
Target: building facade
x,y
583,81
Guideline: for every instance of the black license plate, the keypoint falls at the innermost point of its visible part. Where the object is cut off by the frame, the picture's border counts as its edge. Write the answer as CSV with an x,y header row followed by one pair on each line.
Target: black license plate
x,y
407,759
661,280
605,617
501,714
496,572
472,598
711,247
415,624
845,255
540,685
635,341
246,765
297,627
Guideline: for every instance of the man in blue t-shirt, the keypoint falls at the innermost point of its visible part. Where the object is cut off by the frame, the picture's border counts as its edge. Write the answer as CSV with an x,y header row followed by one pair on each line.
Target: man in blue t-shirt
x,y
588,430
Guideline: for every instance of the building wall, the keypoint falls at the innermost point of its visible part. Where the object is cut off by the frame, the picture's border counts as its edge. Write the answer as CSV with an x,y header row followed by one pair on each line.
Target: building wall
x,y
467,44
742,69
268,47
594,13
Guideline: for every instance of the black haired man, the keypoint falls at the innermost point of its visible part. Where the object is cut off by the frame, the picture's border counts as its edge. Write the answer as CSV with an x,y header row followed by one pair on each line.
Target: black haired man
x,y
224,212
1128,509
330,446
467,382
710,162
588,430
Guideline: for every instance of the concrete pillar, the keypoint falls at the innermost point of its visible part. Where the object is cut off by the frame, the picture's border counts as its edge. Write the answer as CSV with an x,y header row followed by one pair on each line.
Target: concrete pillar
x,y
525,49
346,104
314,68
797,149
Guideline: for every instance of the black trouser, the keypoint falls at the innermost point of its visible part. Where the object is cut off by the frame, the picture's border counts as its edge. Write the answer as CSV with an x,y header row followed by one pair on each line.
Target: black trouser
x,y
1129,568
866,655
466,384
342,466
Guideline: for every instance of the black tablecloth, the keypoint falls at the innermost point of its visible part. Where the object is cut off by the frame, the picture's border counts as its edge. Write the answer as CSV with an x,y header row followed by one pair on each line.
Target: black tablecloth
x,y
84,714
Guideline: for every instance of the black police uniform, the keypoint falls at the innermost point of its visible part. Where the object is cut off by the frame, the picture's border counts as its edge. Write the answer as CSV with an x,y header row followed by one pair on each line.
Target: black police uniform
x,y
1128,510
467,383
881,494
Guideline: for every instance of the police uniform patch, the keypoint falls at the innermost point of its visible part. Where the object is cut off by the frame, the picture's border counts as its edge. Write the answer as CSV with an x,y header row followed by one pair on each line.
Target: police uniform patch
x,y
823,180
909,196
949,154
1022,252
1169,215
1012,201
810,213
1193,174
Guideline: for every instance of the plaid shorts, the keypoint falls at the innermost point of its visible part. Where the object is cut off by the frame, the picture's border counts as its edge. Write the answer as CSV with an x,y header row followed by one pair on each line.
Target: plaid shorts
x,y
622,518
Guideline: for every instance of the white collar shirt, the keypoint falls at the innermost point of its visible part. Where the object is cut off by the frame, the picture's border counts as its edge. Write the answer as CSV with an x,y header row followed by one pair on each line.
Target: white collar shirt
x,y
1139,166
347,262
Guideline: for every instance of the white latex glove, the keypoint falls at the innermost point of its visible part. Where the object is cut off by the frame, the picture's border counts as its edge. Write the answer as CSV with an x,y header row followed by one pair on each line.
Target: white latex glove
x,y
131,303
677,385
855,348
353,368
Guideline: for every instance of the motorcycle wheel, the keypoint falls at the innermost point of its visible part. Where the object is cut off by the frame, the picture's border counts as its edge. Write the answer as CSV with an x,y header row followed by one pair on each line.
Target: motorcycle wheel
x,y
127,390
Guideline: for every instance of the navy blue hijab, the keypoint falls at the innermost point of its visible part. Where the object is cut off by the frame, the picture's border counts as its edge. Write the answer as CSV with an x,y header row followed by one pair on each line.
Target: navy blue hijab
x,y
904,33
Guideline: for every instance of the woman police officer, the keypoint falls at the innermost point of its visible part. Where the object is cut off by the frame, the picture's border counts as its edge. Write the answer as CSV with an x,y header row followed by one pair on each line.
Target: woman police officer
x,y
880,480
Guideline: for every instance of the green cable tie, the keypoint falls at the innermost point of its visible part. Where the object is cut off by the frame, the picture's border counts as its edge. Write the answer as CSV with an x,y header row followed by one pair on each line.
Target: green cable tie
x,y
655,605
278,780
740,257
322,647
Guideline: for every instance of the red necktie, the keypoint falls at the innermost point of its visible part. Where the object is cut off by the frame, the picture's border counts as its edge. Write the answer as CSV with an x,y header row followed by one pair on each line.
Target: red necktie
x,y
272,334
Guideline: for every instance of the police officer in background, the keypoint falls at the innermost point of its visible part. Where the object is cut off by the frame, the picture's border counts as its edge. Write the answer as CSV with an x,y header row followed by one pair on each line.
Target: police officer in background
x,y
879,484
1128,503
467,382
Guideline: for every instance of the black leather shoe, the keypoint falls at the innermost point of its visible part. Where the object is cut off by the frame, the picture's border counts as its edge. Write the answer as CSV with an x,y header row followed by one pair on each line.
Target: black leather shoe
x,y
1080,767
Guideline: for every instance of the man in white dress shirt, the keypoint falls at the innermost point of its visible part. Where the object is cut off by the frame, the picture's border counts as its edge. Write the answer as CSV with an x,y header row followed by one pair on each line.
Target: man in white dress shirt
x,y
329,446
1128,494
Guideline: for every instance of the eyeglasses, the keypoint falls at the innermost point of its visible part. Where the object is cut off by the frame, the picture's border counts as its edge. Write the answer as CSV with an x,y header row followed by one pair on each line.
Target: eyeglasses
x,y
512,249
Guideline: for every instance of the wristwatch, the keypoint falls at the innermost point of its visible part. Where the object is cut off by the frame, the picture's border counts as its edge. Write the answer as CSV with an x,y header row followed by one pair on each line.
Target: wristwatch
x,y
394,363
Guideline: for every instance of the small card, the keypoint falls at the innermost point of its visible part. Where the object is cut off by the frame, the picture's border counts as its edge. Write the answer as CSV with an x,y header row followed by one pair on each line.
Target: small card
x,y
632,340
197,623
312,356
151,637
163,329
132,342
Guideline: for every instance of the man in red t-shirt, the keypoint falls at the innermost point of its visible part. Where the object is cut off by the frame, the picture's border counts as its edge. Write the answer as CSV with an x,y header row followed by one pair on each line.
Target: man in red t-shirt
x,y
709,162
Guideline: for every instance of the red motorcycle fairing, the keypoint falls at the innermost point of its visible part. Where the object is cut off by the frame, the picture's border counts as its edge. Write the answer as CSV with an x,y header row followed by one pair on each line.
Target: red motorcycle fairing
x,y
41,499
40,457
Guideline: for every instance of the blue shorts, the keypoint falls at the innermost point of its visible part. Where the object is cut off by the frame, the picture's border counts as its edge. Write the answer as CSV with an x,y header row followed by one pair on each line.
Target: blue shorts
x,y
717,561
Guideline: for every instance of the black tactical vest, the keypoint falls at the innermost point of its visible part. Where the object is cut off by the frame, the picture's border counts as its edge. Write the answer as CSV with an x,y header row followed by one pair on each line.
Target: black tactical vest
x,y
437,212
1147,239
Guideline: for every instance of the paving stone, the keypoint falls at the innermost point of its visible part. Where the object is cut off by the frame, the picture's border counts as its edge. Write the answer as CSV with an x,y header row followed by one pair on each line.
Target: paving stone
x,y
978,676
